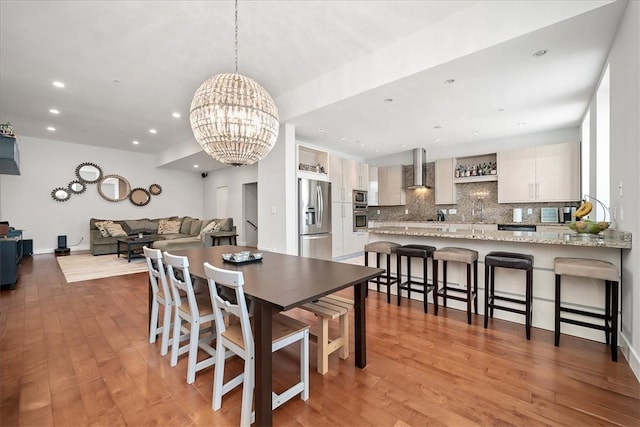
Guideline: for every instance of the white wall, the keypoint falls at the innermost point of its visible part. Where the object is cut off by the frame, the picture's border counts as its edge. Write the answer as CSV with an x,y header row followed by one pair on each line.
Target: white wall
x,y
25,199
624,61
233,178
277,196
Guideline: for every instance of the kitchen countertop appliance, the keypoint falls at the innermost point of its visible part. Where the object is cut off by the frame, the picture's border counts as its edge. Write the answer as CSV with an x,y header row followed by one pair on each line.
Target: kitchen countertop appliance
x,y
314,219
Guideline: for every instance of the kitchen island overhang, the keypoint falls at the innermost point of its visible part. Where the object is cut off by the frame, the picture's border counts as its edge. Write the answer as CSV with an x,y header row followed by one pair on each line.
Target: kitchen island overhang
x,y
544,246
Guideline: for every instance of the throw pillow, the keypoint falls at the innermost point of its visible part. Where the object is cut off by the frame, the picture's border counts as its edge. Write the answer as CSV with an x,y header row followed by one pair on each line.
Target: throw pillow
x,y
115,230
185,228
209,227
166,226
101,225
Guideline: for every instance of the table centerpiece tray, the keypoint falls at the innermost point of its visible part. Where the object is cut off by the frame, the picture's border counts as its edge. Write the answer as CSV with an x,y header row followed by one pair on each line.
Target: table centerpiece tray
x,y
249,260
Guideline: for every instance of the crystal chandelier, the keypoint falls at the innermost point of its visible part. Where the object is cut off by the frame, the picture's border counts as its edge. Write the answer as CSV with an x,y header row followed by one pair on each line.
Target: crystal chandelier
x,y
233,118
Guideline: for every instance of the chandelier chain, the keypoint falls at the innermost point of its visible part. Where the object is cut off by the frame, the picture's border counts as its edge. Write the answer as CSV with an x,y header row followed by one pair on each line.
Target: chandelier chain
x,y
236,35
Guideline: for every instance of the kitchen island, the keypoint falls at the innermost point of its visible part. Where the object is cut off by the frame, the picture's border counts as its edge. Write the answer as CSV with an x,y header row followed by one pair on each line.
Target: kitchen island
x,y
544,246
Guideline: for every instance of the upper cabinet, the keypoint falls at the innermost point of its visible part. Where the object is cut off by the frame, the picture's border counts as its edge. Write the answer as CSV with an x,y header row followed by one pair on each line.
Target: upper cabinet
x,y
391,190
372,196
347,175
312,163
549,173
445,188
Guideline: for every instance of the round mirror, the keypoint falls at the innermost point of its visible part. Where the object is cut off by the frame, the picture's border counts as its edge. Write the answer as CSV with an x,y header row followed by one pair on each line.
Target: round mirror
x,y
89,172
155,189
139,196
77,187
114,188
60,194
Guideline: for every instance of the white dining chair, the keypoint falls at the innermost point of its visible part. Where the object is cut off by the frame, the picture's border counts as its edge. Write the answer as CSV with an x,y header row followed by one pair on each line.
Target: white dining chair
x,y
161,297
237,338
197,311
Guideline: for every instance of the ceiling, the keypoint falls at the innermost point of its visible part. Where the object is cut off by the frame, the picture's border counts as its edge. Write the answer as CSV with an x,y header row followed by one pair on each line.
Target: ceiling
x,y
128,66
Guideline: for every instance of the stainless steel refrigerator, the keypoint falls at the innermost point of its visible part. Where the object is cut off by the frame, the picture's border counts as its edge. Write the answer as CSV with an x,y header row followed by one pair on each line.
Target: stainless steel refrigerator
x,y
314,218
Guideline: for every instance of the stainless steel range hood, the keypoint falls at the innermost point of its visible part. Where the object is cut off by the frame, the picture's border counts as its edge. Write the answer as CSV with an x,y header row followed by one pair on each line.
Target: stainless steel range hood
x,y
419,174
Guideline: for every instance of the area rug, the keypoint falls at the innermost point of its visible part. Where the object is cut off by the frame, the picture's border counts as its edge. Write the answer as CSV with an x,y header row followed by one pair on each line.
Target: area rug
x,y
78,267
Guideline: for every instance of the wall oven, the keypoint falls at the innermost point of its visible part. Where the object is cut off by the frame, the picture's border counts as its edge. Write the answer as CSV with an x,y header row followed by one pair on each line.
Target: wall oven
x,y
360,198
360,219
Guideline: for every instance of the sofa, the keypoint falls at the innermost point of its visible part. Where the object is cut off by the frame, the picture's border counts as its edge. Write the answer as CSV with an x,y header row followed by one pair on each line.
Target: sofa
x,y
170,233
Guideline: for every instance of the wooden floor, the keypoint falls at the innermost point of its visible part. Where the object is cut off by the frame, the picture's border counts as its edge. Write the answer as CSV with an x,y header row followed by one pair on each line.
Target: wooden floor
x,y
78,355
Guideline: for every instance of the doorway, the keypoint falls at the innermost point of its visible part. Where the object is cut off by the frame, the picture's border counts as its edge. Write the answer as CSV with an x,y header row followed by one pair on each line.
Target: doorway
x,y
250,223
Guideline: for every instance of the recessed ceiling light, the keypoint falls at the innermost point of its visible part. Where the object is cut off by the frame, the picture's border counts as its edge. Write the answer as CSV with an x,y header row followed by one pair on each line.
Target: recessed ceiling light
x,y
377,150
361,144
343,138
501,109
448,82
522,124
388,100
436,139
540,53
437,127
153,131
403,145
475,132
135,142
58,84
51,129
176,115
196,166
320,129
54,111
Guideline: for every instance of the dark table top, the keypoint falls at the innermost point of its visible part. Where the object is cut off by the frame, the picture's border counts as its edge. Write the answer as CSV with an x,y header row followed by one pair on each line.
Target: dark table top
x,y
279,280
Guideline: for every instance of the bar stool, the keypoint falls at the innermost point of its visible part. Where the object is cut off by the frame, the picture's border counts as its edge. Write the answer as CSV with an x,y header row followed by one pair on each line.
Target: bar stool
x,y
593,269
508,260
415,251
388,279
465,256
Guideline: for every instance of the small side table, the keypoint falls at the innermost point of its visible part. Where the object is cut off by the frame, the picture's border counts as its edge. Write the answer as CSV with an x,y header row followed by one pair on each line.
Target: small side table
x,y
133,246
219,235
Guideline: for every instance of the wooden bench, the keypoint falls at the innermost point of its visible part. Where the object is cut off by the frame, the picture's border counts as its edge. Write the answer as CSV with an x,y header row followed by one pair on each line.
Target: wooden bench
x,y
328,308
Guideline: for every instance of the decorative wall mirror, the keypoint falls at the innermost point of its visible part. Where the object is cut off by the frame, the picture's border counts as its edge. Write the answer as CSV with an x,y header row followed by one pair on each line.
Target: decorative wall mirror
x,y
89,172
114,188
60,194
77,187
155,189
139,196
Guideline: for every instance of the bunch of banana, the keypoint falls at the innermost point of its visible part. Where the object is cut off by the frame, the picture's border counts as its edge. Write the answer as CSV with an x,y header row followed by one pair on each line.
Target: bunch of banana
x,y
584,209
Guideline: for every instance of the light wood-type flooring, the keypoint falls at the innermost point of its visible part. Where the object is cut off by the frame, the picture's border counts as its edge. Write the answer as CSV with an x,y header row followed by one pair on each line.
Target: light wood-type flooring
x,y
78,355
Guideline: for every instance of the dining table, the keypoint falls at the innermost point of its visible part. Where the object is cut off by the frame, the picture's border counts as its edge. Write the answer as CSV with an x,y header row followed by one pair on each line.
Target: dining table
x,y
279,282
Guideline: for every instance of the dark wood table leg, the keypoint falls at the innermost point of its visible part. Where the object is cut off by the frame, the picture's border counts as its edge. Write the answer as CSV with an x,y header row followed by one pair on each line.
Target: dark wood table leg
x,y
360,325
263,380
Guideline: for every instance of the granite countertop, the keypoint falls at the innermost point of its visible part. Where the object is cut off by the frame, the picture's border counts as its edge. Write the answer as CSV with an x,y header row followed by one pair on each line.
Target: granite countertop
x,y
607,239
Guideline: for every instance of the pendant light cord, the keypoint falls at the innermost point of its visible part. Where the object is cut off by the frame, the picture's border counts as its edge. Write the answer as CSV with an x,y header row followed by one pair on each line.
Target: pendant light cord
x,y
236,34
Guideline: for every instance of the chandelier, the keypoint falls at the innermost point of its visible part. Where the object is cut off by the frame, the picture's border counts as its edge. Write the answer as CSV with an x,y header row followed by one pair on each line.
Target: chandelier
x,y
233,118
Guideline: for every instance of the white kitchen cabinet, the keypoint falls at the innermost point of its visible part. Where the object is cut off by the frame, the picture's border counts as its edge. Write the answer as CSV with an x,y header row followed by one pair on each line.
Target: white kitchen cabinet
x,y
344,241
390,186
445,188
373,186
549,173
347,175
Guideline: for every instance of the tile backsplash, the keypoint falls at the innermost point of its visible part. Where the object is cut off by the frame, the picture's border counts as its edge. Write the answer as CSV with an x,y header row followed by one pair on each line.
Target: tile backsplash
x,y
471,197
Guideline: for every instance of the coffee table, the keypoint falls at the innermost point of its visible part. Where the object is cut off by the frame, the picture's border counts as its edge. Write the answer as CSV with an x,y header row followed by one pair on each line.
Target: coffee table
x,y
133,246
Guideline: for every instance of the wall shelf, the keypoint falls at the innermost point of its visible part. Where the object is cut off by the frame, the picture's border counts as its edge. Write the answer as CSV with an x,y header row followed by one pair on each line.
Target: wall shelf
x,y
482,178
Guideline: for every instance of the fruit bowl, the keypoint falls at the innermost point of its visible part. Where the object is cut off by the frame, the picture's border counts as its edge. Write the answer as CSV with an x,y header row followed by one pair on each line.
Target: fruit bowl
x,y
588,226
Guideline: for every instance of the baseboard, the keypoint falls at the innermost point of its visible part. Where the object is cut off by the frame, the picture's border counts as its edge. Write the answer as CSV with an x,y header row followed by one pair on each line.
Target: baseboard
x,y
631,356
